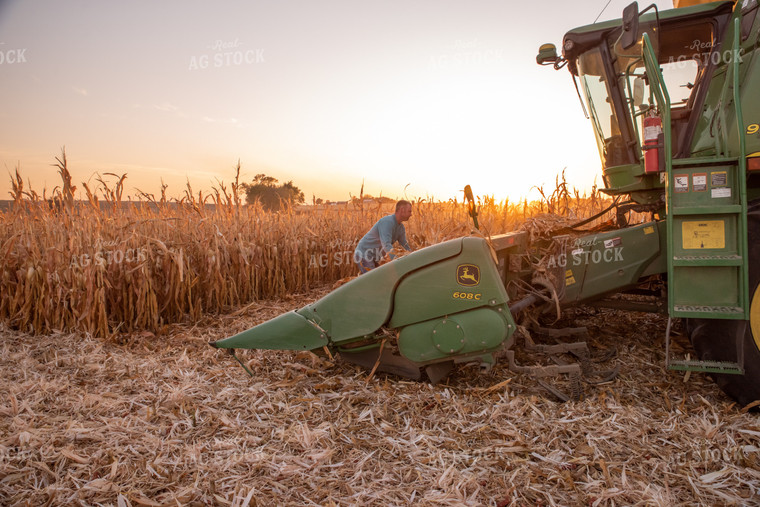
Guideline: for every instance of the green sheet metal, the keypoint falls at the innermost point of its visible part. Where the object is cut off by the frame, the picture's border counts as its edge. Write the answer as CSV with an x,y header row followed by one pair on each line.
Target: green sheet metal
x,y
611,261
289,331
468,281
474,331
357,309
364,304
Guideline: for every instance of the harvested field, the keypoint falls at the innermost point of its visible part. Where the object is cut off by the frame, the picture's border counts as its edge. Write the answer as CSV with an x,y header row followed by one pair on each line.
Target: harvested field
x,y
166,420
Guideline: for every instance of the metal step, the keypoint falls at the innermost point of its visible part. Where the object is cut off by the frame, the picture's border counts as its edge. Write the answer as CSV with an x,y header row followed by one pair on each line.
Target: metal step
x,y
704,161
728,310
707,260
707,210
706,366
707,241
704,312
725,367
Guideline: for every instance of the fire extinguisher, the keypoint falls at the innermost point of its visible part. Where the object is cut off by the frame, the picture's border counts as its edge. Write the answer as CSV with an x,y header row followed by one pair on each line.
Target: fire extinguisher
x,y
653,143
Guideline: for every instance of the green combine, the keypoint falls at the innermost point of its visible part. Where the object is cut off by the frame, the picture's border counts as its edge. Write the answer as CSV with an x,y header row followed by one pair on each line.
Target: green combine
x,y
673,98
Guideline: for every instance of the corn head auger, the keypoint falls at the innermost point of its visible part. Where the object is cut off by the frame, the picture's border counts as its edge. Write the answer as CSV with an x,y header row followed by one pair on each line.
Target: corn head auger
x,y
686,154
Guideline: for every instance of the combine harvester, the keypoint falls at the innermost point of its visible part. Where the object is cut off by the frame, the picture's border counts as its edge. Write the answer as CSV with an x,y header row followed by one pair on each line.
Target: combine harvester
x,y
693,164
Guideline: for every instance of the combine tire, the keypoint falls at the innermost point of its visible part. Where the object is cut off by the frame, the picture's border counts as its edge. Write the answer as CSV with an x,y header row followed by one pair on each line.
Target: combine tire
x,y
715,340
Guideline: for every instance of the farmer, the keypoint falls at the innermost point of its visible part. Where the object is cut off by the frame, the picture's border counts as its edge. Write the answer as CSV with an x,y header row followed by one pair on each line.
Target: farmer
x,y
380,239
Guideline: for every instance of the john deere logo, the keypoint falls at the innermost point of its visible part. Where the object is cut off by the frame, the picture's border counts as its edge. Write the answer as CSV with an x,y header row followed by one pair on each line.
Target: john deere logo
x,y
468,275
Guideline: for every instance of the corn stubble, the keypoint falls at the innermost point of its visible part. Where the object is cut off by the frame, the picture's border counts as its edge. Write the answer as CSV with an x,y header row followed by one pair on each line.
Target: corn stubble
x,y
106,265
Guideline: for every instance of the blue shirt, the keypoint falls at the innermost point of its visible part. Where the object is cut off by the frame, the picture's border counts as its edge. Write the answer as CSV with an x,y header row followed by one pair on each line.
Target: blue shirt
x,y
379,240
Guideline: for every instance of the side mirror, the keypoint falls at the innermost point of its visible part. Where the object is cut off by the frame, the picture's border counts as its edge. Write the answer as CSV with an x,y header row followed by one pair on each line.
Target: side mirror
x,y
547,54
630,26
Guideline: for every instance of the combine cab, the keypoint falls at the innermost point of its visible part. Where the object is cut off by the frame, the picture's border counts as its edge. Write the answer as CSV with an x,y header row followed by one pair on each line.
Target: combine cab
x,y
673,100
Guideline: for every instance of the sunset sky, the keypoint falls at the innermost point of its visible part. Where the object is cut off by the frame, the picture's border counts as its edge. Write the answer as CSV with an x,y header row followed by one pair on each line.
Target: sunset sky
x,y
417,98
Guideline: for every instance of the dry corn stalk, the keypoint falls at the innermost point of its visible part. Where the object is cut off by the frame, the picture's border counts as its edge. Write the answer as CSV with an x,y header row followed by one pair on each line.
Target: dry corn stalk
x,y
105,266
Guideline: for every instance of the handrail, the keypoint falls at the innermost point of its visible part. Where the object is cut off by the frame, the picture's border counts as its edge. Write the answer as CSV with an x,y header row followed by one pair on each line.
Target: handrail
x,y
737,98
657,86
630,101
742,164
731,80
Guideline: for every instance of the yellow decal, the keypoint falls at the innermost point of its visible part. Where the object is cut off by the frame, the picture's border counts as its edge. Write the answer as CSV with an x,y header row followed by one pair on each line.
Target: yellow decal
x,y
649,230
753,128
467,295
704,234
569,278
468,275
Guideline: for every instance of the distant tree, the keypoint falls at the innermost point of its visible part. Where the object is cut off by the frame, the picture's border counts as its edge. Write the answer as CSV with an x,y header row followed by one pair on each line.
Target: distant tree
x,y
271,195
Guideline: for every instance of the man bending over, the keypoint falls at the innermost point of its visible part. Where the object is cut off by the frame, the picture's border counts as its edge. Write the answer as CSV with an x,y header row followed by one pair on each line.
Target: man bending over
x,y
381,237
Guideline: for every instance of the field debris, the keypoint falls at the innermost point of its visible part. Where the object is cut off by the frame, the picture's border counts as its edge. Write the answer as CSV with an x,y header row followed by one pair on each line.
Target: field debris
x,y
141,421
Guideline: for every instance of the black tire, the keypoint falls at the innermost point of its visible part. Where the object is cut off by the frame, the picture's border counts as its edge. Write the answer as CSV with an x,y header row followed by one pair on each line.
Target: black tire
x,y
714,339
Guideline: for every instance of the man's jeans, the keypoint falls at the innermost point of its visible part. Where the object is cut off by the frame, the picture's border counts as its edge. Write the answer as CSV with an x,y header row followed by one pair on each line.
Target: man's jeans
x,y
366,260
365,265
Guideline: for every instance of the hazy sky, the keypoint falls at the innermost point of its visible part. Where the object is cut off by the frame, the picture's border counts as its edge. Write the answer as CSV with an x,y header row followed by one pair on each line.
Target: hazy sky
x,y
416,97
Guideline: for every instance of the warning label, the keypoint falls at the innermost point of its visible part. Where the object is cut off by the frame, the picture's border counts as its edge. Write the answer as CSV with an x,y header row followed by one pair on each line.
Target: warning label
x,y
718,179
705,234
681,183
699,182
717,193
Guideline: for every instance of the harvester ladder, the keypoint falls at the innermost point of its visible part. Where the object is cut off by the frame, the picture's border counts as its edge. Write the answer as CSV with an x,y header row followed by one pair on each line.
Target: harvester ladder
x,y
706,203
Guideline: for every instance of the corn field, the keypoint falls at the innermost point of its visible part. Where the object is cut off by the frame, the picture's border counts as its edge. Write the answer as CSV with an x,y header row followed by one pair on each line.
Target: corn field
x,y
101,265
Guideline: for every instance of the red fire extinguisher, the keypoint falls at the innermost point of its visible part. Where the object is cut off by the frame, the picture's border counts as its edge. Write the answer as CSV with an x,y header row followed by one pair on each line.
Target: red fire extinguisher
x,y
652,143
